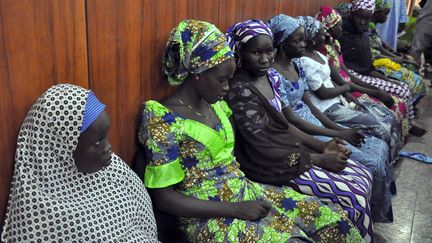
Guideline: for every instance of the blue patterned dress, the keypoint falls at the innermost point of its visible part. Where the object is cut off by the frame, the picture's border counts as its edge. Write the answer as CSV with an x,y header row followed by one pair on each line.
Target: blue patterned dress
x,y
373,153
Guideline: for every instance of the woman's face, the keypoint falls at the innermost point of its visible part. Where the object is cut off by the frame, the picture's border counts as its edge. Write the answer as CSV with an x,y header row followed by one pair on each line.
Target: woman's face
x,y
93,151
212,84
295,45
361,19
257,55
319,38
336,31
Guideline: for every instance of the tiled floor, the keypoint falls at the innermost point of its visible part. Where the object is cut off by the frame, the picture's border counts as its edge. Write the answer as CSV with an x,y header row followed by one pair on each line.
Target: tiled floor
x,y
412,206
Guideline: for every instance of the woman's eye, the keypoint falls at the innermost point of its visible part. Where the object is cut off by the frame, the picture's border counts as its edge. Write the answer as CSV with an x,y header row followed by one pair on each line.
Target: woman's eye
x,y
97,142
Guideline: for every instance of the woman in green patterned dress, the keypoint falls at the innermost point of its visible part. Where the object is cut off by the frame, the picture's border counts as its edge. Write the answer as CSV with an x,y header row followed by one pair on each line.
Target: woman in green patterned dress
x,y
191,170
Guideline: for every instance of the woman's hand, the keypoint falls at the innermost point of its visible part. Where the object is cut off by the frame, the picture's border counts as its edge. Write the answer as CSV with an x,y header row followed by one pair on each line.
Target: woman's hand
x,y
385,98
391,80
330,161
250,210
351,98
337,145
351,136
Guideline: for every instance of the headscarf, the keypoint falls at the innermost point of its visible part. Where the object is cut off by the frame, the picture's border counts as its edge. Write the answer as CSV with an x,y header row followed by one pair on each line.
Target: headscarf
x,y
311,26
240,33
382,5
92,111
363,4
282,27
344,9
193,47
50,200
328,17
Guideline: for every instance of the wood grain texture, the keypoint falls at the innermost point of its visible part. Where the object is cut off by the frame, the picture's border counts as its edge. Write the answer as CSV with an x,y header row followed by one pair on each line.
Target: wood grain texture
x,y
41,43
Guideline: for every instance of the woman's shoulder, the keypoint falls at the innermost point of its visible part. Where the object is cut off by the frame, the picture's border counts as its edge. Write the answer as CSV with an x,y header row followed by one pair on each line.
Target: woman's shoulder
x,y
155,108
156,115
307,63
239,86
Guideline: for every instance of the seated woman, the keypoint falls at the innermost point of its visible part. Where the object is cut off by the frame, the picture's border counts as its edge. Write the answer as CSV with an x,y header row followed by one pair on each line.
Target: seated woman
x,y
329,98
289,40
268,147
387,62
357,55
332,22
68,185
191,167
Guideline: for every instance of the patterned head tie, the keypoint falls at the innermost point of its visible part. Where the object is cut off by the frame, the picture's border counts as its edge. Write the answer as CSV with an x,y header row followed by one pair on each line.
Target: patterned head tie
x,y
344,9
240,33
382,5
363,4
193,47
282,27
92,111
328,17
311,26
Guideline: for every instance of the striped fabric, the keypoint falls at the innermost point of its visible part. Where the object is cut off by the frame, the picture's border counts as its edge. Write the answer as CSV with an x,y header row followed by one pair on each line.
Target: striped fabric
x,y
363,4
93,108
349,188
275,83
401,90
240,33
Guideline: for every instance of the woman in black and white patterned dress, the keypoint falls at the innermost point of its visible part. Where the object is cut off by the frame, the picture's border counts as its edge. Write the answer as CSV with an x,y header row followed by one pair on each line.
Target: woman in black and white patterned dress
x,y
68,186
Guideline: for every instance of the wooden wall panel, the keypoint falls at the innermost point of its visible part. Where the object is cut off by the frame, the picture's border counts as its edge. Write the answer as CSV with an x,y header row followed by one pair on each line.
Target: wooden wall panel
x,y
234,11
41,43
126,40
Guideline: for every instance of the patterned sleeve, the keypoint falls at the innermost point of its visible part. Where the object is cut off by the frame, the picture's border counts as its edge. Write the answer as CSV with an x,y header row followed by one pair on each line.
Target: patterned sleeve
x,y
302,73
225,108
246,108
281,86
158,136
313,79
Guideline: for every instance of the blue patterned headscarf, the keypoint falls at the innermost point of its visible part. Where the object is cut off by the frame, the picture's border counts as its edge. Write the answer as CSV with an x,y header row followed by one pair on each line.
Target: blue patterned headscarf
x,y
282,27
193,47
93,109
311,26
240,33
343,9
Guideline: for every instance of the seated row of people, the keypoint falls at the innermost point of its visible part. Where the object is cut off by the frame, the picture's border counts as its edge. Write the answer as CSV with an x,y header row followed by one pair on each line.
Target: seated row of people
x,y
269,137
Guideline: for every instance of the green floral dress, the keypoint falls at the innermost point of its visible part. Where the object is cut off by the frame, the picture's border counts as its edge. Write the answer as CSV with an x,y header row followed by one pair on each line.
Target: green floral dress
x,y
198,161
